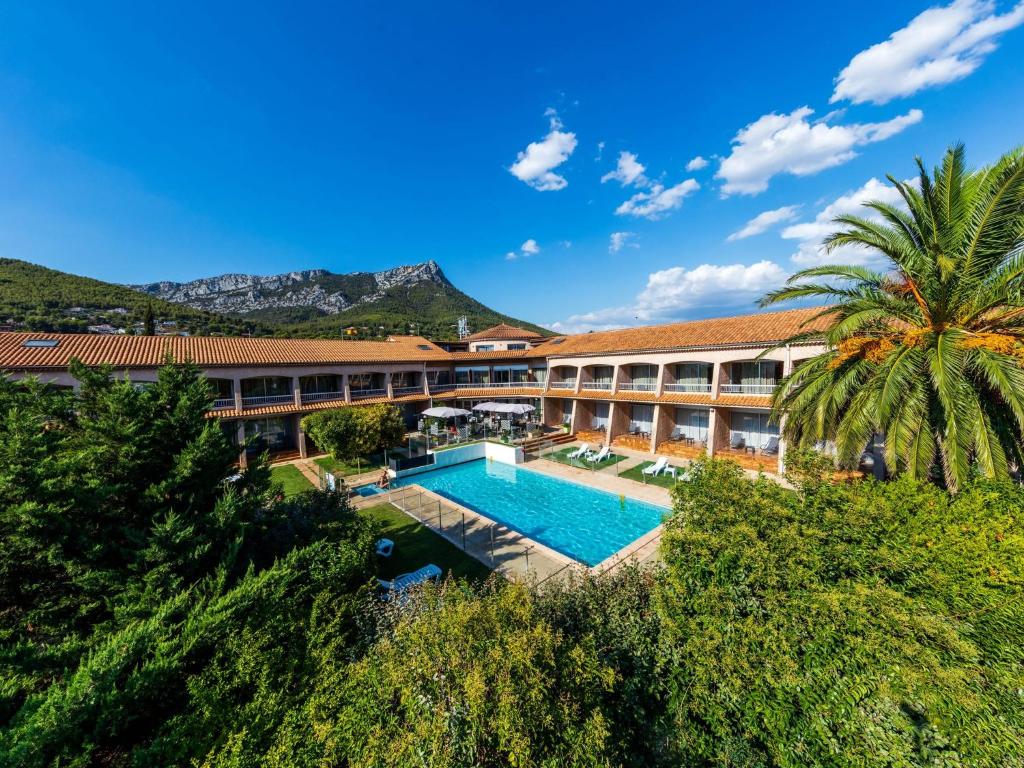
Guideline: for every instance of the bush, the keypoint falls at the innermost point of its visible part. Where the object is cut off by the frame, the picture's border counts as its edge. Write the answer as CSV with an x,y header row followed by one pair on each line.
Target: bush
x,y
870,624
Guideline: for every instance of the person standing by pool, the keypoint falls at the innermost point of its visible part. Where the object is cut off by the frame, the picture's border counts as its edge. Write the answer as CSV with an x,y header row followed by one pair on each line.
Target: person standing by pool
x,y
385,479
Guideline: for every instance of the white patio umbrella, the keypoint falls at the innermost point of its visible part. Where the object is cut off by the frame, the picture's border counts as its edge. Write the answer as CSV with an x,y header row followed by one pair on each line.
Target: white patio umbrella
x,y
488,407
519,408
443,412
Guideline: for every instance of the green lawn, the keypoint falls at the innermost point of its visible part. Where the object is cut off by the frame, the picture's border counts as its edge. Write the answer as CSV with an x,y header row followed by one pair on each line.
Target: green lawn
x,y
636,473
340,468
416,545
291,478
562,457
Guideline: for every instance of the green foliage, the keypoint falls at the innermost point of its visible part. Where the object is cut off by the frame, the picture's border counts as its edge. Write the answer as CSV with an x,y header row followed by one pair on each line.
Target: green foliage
x,y
464,679
868,624
41,300
932,352
291,479
356,431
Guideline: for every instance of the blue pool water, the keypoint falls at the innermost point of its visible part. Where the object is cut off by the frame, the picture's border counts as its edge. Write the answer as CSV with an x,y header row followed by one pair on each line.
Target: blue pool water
x,y
369,490
586,524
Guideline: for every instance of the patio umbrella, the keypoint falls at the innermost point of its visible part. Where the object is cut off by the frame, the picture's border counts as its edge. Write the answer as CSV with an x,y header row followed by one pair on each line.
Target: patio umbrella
x,y
520,408
445,412
488,407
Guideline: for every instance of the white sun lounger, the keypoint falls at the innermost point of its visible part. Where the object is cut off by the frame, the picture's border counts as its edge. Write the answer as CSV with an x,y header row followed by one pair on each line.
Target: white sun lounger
x,y
580,452
601,455
404,581
657,467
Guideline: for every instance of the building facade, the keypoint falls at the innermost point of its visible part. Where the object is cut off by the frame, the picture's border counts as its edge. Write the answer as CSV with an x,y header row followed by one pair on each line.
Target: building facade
x,y
684,389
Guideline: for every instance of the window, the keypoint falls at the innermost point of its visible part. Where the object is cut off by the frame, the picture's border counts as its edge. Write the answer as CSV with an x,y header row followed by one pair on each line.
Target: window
x,y
558,341
484,347
425,347
516,346
40,343
693,422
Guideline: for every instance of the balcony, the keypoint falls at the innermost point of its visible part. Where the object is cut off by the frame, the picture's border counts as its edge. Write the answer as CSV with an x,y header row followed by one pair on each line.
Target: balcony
x,y
361,394
567,384
599,385
223,402
442,387
637,386
748,389
255,402
700,388
399,391
318,397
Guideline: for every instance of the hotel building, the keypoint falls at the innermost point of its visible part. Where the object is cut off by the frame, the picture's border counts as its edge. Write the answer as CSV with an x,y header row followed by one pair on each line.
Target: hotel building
x,y
682,389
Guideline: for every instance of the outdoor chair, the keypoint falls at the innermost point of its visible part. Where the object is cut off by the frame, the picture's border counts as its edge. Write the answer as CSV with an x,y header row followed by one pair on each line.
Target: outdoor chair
x,y
580,452
399,584
737,442
677,434
656,468
771,446
600,456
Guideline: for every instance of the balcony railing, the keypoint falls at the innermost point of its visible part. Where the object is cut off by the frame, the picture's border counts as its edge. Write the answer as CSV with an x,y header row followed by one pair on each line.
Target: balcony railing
x,y
316,397
606,385
748,389
412,390
224,402
637,386
253,402
567,384
706,388
359,394
442,387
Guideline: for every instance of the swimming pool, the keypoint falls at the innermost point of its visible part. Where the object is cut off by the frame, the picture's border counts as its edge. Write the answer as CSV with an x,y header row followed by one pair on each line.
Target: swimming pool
x,y
586,524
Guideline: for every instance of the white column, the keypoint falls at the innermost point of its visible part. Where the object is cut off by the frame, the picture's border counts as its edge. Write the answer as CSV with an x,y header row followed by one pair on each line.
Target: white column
x,y
296,391
345,388
660,387
716,379
236,387
243,460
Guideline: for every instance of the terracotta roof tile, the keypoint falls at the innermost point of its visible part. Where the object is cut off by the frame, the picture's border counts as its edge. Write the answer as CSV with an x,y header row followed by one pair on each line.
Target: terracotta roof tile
x,y
753,330
503,354
151,351
503,331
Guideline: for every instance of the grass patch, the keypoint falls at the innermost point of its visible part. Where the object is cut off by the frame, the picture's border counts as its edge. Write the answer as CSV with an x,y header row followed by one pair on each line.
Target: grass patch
x,y
636,473
340,468
291,478
416,545
562,457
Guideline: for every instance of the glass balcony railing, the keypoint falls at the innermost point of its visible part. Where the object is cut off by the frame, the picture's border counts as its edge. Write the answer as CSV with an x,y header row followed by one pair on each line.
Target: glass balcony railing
x,y
748,389
410,390
566,384
224,402
600,385
637,386
253,402
358,394
317,397
683,387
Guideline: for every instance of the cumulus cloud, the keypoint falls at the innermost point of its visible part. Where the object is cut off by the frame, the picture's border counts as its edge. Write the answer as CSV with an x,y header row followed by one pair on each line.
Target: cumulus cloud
x,y
620,240
790,143
939,46
659,201
809,234
535,165
680,293
696,164
527,249
765,221
627,171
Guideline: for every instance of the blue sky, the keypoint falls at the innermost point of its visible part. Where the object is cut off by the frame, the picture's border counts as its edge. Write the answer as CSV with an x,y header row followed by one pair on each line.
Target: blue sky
x,y
139,144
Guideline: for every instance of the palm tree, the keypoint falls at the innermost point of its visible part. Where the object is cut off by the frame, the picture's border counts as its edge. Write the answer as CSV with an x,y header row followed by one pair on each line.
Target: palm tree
x,y
929,352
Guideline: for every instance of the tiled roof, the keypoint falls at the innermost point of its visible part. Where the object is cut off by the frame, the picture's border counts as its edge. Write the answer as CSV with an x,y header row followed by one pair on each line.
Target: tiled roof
x,y
503,354
753,330
503,331
151,351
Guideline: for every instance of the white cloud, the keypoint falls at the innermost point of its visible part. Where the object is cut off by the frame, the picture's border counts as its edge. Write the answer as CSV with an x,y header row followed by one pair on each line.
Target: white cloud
x,y
535,165
620,240
775,144
765,221
809,234
627,171
939,46
679,293
696,164
658,201
527,249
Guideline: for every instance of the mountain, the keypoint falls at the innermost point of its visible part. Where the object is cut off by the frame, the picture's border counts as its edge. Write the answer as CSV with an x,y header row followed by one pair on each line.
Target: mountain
x,y
317,302
41,299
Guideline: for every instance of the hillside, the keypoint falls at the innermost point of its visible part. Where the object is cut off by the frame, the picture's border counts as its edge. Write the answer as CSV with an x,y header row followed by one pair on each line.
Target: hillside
x,y
316,302
37,298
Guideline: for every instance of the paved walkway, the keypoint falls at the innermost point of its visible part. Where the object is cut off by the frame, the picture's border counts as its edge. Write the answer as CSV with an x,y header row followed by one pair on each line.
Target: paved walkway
x,y
606,479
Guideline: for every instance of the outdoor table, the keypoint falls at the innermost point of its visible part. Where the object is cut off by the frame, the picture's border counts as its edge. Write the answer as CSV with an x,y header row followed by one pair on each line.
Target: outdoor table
x,y
670,470
752,449
687,439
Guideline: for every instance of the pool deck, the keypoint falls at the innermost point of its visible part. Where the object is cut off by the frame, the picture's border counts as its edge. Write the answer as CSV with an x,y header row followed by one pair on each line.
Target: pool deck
x,y
606,479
